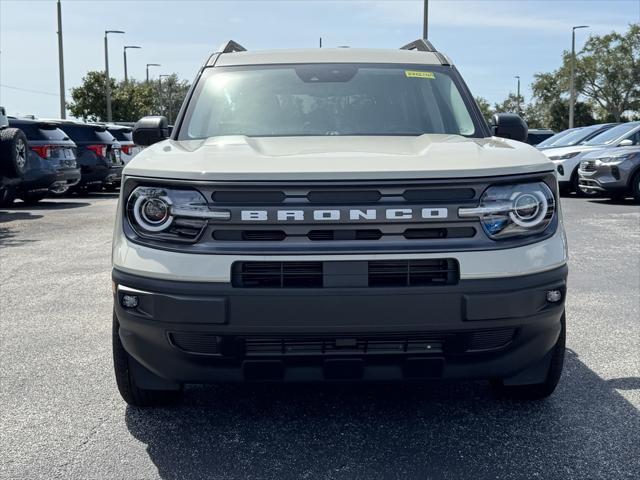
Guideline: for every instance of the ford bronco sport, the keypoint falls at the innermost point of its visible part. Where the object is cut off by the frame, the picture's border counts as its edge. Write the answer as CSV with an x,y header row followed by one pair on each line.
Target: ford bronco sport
x,y
336,215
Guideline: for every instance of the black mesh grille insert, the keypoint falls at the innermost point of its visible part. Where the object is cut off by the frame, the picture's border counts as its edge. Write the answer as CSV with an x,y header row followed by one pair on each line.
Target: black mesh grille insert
x,y
490,339
411,273
196,342
451,232
327,235
379,273
277,274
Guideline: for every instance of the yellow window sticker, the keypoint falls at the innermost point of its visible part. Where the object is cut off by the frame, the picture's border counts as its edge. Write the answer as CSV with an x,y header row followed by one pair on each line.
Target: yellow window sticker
x,y
417,74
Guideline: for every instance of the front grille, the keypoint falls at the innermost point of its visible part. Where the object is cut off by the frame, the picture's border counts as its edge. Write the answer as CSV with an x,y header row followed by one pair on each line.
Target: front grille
x,y
343,234
378,273
412,273
422,343
277,274
343,346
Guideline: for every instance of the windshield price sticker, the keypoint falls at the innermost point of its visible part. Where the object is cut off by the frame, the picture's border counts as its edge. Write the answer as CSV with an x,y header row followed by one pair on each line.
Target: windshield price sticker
x,y
417,74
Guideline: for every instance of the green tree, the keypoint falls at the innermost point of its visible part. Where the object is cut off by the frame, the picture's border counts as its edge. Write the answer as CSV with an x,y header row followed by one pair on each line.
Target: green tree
x,y
485,108
607,77
130,100
559,115
511,104
170,94
609,71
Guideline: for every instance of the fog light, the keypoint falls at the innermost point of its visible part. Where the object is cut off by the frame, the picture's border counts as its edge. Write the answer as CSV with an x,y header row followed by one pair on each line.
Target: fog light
x,y
130,301
560,169
554,296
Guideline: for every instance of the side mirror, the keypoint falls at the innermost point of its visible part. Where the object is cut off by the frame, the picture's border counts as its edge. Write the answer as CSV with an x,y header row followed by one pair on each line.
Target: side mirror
x,y
627,142
509,125
150,130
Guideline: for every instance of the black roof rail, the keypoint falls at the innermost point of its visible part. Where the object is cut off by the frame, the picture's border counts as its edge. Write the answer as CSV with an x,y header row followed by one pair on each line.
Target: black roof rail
x,y
230,47
421,45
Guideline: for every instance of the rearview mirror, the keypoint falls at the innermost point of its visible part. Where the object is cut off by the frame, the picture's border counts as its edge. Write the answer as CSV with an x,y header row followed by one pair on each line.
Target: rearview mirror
x,y
509,125
150,130
627,142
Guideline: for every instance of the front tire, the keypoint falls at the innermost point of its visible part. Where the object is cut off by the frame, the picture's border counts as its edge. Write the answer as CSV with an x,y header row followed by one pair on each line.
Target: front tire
x,y
538,391
635,187
33,198
129,390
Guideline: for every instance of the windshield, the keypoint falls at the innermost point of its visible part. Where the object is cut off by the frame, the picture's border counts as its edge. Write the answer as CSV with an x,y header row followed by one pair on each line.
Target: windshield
x,y
609,136
578,136
555,138
327,99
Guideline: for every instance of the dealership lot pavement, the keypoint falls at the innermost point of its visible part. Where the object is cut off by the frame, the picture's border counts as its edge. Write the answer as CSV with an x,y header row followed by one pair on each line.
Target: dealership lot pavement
x,y
61,415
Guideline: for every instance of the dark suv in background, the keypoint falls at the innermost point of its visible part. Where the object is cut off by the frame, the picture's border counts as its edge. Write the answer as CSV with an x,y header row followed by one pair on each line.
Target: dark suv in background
x,y
124,135
50,161
98,155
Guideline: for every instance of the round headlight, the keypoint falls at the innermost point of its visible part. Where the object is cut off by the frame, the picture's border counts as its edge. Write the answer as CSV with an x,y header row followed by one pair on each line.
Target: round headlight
x,y
529,209
152,213
514,210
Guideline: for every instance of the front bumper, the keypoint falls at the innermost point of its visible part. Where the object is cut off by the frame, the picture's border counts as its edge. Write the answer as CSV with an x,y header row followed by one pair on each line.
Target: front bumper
x,y
201,332
603,178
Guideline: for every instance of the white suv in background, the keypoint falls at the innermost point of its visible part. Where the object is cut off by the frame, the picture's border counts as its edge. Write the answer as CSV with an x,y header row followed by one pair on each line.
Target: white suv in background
x,y
336,215
567,159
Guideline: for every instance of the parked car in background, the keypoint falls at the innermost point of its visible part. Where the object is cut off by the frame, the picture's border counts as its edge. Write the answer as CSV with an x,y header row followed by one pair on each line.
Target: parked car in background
x,y
13,157
50,161
98,154
577,136
567,159
124,136
537,135
549,142
612,172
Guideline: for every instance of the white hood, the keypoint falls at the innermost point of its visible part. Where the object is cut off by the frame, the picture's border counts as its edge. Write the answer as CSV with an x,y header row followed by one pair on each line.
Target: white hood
x,y
336,157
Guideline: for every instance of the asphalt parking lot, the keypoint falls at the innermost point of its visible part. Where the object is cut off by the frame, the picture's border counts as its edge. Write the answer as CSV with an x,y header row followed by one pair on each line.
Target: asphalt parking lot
x,y
62,417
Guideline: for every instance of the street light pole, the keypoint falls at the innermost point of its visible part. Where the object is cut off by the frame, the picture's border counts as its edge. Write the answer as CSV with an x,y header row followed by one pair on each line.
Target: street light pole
x,y
518,94
151,65
126,77
169,94
63,102
106,69
425,20
572,93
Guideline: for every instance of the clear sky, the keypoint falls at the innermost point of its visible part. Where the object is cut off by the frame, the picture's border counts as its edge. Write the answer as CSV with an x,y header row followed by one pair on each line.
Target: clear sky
x,y
490,41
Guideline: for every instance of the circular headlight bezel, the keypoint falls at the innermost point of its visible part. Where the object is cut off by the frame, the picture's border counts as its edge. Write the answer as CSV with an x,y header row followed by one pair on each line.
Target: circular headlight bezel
x,y
142,219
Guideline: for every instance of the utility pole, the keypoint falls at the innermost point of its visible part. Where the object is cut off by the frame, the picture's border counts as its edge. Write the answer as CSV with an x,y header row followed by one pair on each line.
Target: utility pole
x,y
320,42
160,77
518,95
425,21
106,68
126,77
63,102
572,93
151,65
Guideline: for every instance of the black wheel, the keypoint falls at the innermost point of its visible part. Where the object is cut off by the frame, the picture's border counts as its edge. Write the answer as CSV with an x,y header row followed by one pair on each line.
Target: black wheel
x,y
7,196
13,152
538,391
635,186
32,198
130,392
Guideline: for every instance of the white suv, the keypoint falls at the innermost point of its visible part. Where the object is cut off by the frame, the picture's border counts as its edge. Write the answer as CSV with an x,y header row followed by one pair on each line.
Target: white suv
x,y
340,215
